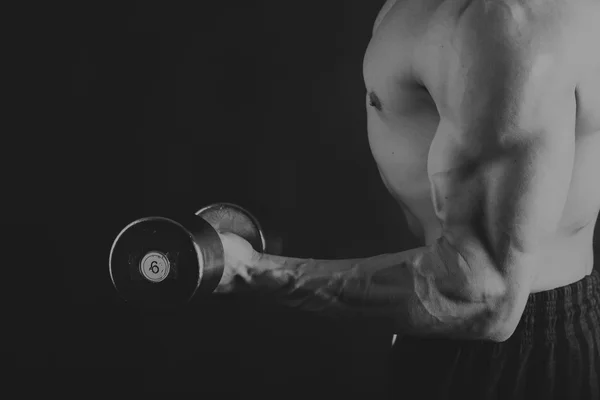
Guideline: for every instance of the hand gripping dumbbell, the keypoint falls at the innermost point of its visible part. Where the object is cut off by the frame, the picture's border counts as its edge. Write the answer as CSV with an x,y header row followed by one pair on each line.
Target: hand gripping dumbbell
x,y
160,263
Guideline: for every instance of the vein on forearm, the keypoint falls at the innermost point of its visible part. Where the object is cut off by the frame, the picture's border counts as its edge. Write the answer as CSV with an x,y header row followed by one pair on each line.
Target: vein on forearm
x,y
428,290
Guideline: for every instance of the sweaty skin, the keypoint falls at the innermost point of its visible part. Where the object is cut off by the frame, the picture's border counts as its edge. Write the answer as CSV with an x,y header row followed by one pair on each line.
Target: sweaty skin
x,y
484,121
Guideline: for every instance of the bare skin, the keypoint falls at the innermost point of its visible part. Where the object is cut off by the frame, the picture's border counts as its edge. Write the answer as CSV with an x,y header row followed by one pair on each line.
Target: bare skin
x,y
401,134
484,120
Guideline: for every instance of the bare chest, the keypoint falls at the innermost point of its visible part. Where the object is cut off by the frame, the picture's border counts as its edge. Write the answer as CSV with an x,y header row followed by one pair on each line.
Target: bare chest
x,y
404,120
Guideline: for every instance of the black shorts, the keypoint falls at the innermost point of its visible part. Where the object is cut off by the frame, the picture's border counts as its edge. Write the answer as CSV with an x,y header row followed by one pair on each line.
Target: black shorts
x,y
553,354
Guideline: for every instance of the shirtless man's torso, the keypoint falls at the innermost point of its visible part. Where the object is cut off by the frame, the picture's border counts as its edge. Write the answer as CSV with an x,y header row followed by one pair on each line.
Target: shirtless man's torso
x,y
406,68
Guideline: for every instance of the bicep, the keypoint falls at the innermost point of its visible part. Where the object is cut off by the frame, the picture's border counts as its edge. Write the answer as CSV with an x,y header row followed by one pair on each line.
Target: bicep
x,y
501,161
512,194
496,213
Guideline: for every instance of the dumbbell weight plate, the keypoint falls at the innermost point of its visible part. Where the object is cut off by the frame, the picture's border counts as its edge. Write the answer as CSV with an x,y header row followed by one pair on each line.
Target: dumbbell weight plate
x,y
159,263
227,217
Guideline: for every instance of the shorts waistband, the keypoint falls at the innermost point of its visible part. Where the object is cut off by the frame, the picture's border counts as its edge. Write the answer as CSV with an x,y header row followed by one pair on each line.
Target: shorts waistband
x,y
559,301
544,309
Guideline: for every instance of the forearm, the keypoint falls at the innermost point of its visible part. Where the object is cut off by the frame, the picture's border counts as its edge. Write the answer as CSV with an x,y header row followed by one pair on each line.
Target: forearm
x,y
423,291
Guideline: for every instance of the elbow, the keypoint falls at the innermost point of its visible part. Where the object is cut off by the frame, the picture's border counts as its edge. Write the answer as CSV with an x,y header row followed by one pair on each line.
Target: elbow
x,y
490,318
501,333
494,315
503,319
502,307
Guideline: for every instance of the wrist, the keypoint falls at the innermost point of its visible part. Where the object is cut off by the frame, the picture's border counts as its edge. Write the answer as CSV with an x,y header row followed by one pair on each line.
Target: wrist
x,y
269,272
254,264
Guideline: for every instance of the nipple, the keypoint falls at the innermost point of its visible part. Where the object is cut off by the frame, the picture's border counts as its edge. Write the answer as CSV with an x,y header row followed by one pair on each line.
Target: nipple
x,y
374,101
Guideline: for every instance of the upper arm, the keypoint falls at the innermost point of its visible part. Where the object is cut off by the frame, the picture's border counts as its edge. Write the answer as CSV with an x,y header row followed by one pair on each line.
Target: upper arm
x,y
501,162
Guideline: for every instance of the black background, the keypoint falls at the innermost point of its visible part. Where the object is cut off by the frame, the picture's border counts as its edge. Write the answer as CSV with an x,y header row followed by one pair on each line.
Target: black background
x,y
159,108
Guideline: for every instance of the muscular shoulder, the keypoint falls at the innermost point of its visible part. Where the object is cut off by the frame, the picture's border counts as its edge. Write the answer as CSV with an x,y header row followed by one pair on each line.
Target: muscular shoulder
x,y
528,27
504,41
522,20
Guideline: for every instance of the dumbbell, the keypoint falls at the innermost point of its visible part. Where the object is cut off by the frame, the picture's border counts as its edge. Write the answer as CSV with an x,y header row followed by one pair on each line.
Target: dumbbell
x,y
159,263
